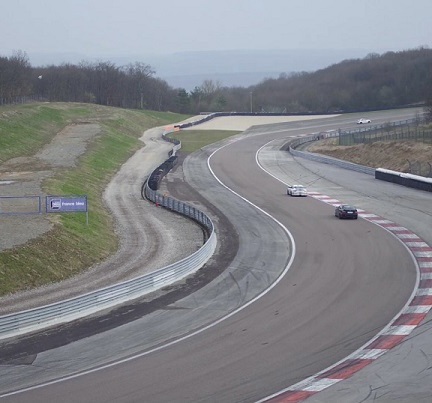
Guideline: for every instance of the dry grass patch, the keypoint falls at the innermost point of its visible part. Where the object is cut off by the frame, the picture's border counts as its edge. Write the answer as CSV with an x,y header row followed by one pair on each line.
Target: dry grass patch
x,y
381,154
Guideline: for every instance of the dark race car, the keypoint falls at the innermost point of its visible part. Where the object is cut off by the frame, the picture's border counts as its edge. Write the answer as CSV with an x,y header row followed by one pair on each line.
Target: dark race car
x,y
346,211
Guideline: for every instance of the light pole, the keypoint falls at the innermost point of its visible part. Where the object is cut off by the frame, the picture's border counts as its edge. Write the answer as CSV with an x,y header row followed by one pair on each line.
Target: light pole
x,y
251,108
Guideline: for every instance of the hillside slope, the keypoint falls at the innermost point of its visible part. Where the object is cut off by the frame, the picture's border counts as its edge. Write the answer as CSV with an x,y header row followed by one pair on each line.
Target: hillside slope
x,y
404,156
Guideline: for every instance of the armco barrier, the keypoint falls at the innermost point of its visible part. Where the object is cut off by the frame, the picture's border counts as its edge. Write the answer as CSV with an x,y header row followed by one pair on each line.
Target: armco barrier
x,y
400,178
74,308
65,311
179,207
84,305
333,161
291,146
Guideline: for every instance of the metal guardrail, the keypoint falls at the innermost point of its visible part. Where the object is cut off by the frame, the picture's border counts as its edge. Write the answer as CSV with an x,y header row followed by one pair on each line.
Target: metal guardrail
x,y
65,311
323,158
333,161
180,207
400,178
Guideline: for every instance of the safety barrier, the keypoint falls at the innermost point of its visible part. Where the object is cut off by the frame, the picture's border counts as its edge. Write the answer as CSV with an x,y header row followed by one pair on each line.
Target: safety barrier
x,y
291,146
404,179
400,178
68,310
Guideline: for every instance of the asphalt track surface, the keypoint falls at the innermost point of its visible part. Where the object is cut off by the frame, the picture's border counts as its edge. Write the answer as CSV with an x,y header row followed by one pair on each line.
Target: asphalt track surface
x,y
347,281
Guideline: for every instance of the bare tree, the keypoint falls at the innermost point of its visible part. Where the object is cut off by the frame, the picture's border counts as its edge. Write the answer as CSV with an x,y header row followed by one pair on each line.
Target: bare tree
x,y
15,77
137,77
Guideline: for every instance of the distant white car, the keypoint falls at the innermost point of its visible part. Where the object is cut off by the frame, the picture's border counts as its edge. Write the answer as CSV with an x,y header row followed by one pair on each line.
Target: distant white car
x,y
296,190
363,120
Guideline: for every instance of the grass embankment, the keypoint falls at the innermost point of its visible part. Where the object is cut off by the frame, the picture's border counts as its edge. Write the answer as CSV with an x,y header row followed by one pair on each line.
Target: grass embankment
x,y
71,246
394,155
192,140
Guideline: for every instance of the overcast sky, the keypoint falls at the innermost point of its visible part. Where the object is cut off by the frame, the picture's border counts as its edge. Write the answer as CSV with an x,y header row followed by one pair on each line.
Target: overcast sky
x,y
104,28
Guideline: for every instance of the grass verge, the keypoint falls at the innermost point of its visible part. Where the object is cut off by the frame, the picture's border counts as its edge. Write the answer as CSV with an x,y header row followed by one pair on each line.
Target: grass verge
x,y
192,140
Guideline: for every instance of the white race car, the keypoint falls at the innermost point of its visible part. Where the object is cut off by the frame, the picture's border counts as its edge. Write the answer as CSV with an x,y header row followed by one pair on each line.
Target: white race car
x,y
363,120
296,190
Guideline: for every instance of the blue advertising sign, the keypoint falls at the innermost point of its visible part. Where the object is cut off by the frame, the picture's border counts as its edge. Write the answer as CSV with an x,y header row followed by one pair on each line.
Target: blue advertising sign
x,y
65,204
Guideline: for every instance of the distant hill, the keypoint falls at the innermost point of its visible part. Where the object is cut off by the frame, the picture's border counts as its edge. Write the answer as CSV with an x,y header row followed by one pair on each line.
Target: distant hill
x,y
243,67
390,80
242,79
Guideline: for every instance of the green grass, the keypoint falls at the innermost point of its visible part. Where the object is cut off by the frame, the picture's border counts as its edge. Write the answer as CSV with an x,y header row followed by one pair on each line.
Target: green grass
x,y
192,140
71,246
26,128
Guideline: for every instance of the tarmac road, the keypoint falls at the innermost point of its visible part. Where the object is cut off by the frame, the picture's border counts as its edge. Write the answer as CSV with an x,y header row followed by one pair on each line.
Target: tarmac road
x,y
404,373
301,326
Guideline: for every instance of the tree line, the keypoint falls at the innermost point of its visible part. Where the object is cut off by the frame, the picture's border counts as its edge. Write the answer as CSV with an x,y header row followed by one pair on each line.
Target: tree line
x,y
131,86
390,80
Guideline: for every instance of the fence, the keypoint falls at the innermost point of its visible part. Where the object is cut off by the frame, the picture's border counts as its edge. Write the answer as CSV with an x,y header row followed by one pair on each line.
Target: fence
x,y
395,131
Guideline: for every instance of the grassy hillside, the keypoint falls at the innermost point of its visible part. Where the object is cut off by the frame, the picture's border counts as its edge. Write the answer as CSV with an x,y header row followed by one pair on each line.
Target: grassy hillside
x,y
71,246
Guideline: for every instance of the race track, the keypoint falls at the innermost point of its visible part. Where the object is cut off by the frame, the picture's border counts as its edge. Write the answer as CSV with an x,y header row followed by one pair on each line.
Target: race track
x,y
347,280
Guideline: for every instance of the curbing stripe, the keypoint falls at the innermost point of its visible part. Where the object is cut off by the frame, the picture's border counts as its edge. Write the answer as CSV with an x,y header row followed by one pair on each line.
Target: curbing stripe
x,y
398,330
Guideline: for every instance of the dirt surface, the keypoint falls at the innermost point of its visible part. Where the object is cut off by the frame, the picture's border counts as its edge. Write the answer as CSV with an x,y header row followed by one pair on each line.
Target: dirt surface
x,y
23,176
